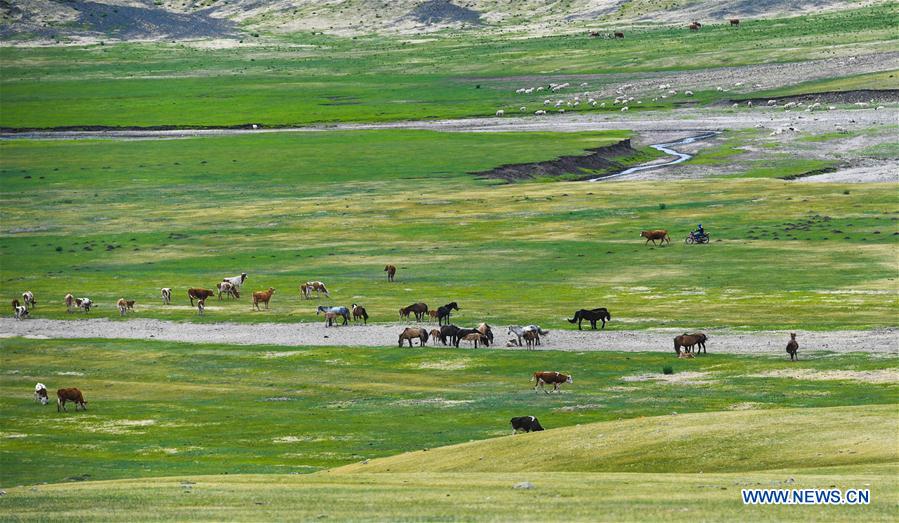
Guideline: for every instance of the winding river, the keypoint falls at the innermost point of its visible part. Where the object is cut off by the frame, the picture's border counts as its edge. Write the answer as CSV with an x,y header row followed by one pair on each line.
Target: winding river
x,y
666,148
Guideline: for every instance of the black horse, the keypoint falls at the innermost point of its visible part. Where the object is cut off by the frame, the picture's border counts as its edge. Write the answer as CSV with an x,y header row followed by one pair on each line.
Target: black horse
x,y
449,332
443,313
591,315
461,333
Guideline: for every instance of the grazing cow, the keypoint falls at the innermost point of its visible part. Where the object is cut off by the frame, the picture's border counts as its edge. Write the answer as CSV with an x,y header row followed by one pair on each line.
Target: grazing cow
x,y
20,311
554,378
475,338
199,294
84,304
130,304
487,331
443,312
359,312
695,26
228,289
688,341
201,306
734,21
658,234
391,272
340,311
793,347
530,338
40,394
419,309
28,299
591,315
236,281
619,34
410,333
262,297
526,424
167,296
70,302
318,287
122,306
73,395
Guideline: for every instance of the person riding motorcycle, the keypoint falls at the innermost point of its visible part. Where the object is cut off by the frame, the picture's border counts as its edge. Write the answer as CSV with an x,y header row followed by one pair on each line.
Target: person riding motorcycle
x,y
699,232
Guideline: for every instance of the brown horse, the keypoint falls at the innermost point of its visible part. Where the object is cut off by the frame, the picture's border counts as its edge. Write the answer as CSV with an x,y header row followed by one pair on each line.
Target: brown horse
x,y
418,309
695,26
793,347
734,21
619,34
411,333
306,289
359,312
391,272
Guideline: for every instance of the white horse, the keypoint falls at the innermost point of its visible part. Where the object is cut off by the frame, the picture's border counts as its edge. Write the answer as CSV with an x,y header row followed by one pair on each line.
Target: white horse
x,y
518,331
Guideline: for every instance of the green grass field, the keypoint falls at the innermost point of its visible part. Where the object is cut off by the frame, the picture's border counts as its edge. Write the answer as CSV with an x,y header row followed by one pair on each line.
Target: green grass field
x,y
118,219
158,409
303,79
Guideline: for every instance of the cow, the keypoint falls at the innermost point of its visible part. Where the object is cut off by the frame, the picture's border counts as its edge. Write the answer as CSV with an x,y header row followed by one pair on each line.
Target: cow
x,y
591,315
199,294
201,306
84,304
40,394
526,424
793,347
28,299
70,302
262,297
167,296
391,272
658,234
74,395
552,377
734,21
228,289
411,333
688,341
122,306
20,311
237,281
619,34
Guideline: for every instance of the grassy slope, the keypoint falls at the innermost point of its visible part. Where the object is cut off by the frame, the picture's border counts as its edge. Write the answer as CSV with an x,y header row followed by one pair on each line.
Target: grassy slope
x,y
156,409
324,79
111,219
706,442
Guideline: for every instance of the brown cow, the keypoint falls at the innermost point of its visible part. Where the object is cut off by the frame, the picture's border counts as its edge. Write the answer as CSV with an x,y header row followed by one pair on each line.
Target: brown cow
x,y
410,333
793,347
619,34
688,341
555,378
199,294
391,272
262,297
658,234
73,395
695,26
734,21
122,306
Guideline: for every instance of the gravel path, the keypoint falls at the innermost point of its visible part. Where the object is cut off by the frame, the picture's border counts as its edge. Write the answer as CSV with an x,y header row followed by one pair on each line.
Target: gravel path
x,y
884,341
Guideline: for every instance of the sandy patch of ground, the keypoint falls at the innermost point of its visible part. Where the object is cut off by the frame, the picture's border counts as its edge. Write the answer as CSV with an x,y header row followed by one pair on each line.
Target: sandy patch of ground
x,y
866,376
680,378
432,402
771,343
444,365
747,405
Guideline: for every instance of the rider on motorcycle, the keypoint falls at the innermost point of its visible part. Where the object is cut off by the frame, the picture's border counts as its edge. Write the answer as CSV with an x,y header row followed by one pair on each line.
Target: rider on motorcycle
x,y
699,232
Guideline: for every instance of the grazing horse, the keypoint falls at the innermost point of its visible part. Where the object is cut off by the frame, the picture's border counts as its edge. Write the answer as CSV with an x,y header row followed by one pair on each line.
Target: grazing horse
x,y
418,309
793,347
519,332
411,333
391,272
658,234
443,312
591,315
359,312
340,311
318,287
688,341
74,395
734,21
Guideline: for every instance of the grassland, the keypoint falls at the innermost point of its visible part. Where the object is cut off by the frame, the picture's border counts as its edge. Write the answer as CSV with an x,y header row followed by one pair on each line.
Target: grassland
x,y
107,219
157,409
314,78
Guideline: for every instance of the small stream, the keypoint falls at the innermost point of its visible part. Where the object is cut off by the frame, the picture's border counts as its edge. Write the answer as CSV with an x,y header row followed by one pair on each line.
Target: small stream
x,y
665,148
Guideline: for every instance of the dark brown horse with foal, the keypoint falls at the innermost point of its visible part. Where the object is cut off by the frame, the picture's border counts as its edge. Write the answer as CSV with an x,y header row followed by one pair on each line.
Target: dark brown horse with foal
x,y
418,309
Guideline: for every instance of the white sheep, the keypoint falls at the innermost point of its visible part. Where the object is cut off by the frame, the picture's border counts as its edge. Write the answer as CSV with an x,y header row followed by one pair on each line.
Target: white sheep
x,y
624,109
541,112
522,108
772,102
547,102
688,93
500,112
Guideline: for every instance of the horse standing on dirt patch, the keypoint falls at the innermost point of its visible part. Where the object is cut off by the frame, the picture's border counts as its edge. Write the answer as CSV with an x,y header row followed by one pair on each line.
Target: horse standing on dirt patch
x,y
793,348
411,333
443,312
340,311
688,341
591,315
359,312
391,272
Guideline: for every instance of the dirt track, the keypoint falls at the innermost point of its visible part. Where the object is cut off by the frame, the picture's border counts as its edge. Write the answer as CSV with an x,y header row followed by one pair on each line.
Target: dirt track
x,y
883,341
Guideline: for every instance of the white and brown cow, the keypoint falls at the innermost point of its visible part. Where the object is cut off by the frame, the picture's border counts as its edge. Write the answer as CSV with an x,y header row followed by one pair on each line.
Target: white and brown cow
x,y
40,394
551,377
28,299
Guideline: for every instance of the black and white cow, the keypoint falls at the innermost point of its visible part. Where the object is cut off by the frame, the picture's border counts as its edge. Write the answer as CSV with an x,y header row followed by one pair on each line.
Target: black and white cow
x,y
166,295
20,310
28,299
526,423
40,394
